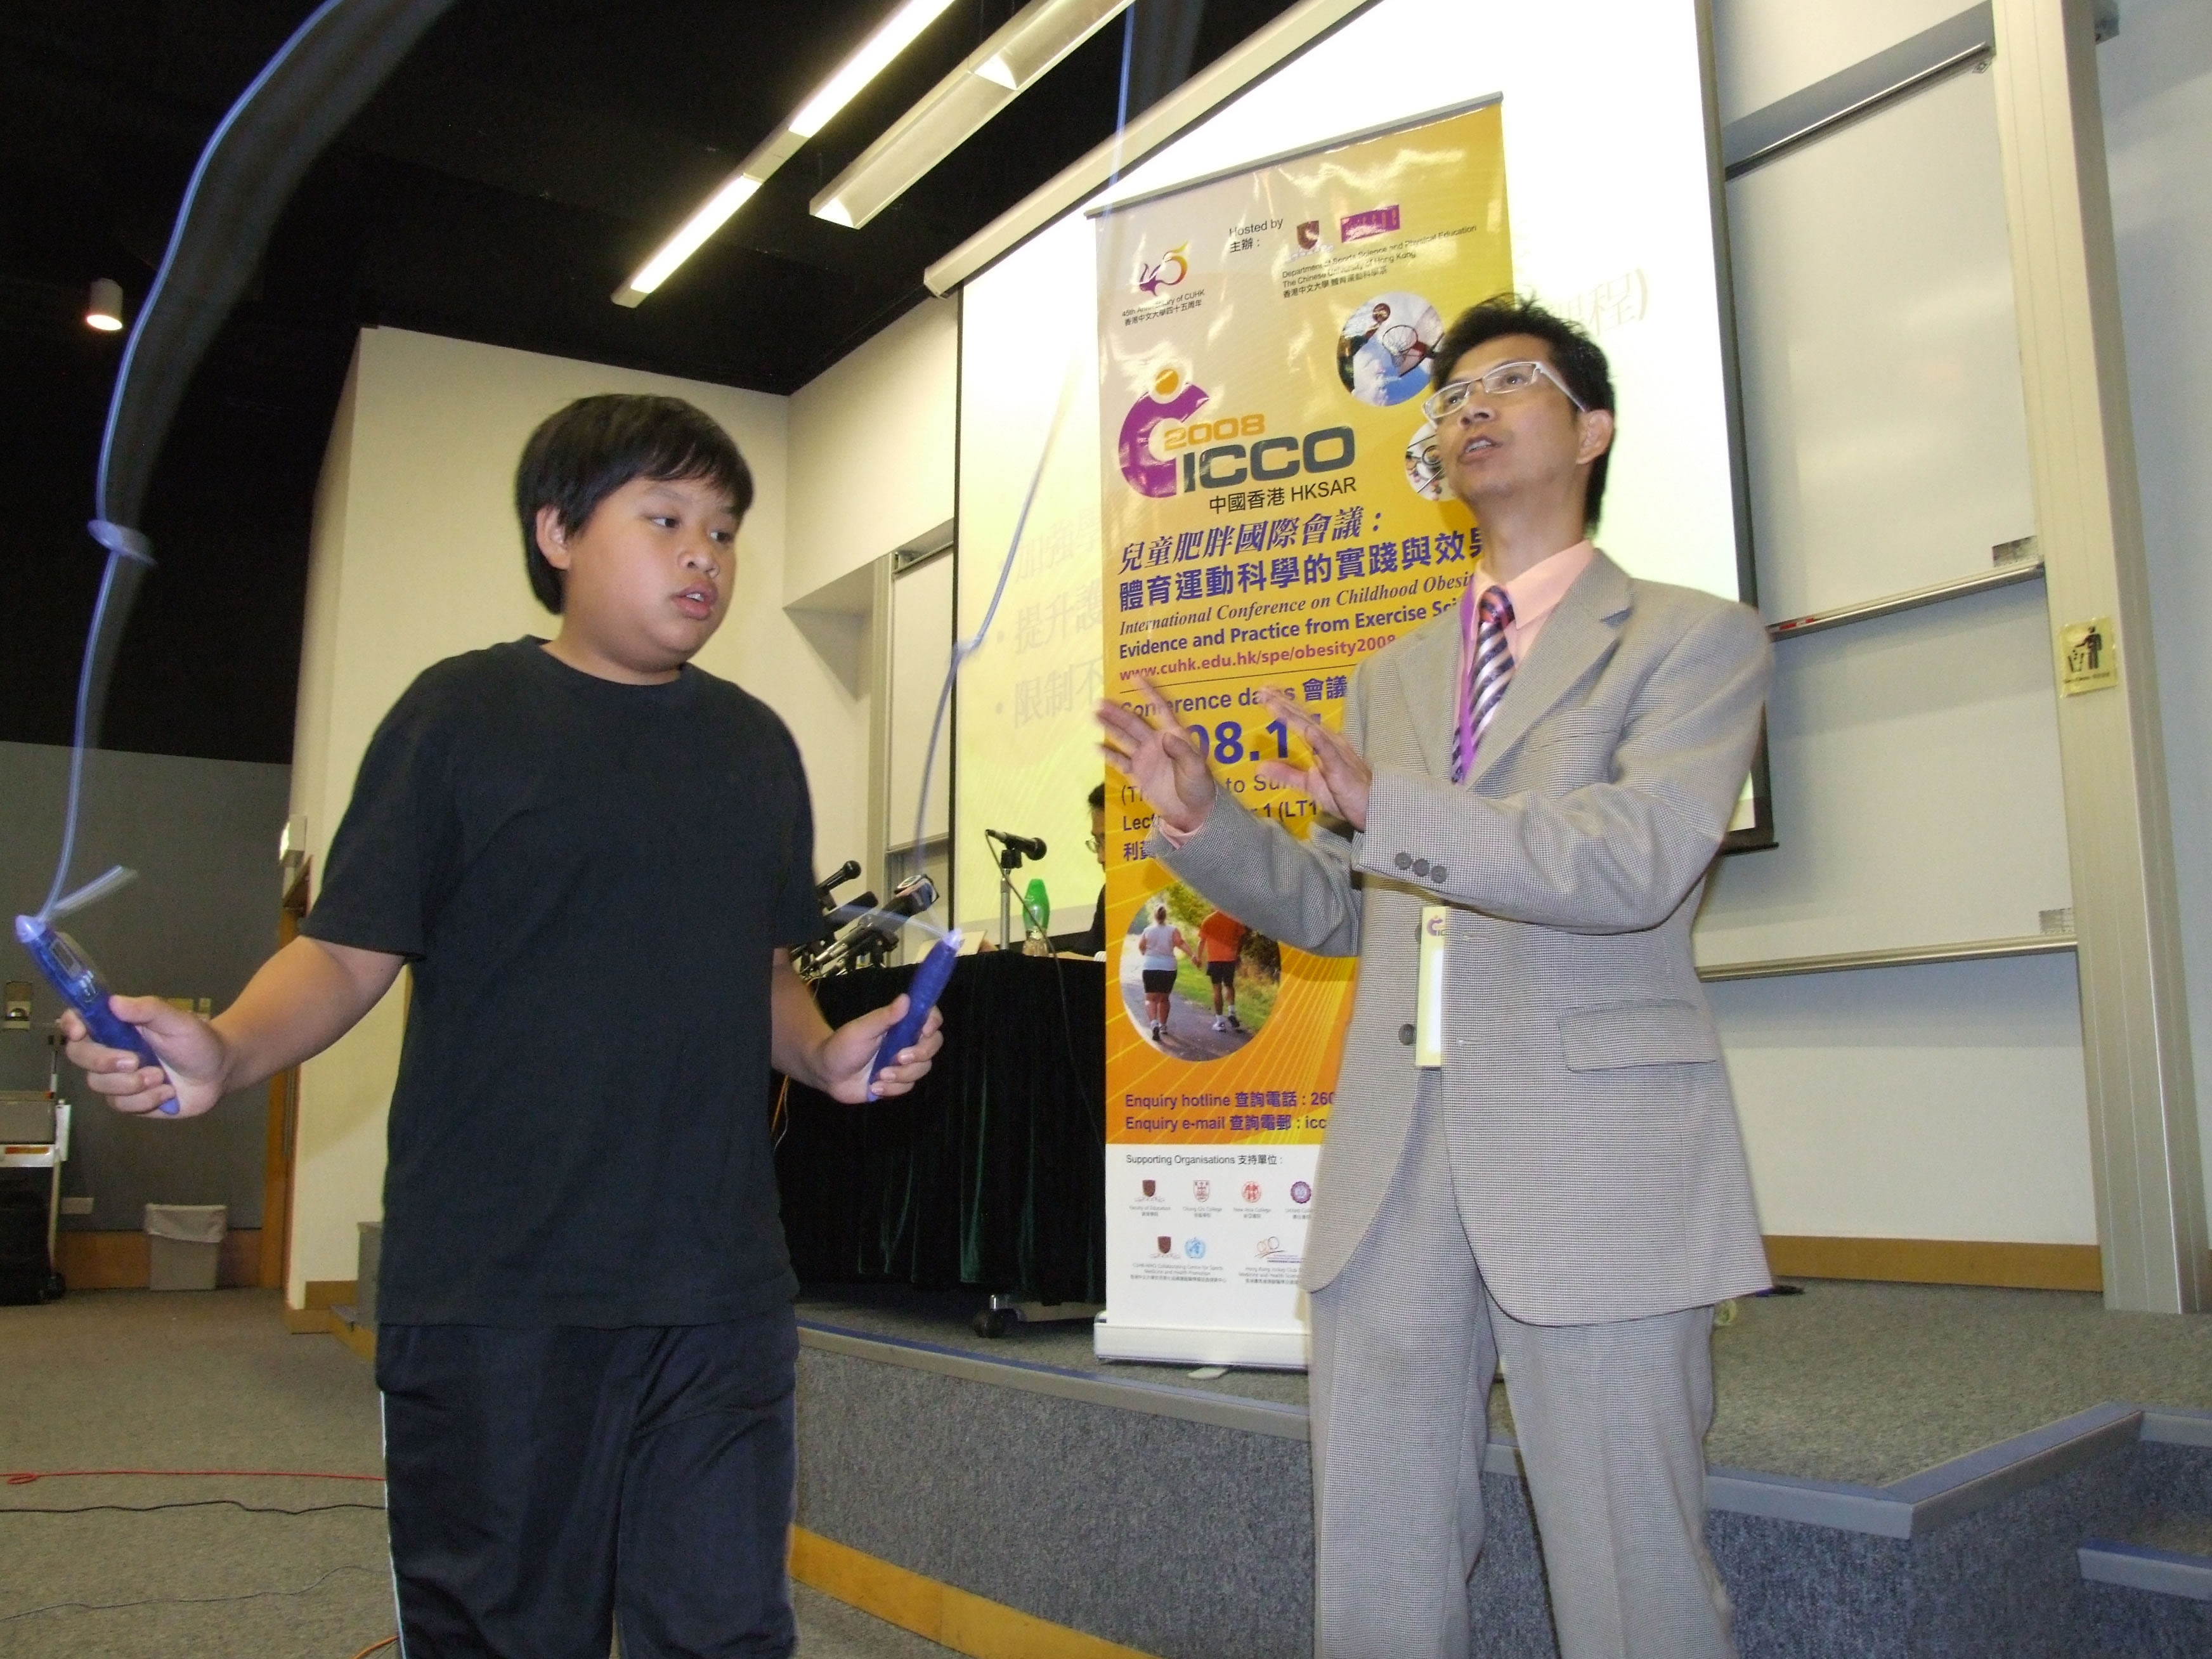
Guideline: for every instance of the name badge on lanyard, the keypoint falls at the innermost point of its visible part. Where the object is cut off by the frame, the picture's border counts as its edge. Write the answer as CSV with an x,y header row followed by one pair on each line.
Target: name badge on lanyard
x,y
1429,988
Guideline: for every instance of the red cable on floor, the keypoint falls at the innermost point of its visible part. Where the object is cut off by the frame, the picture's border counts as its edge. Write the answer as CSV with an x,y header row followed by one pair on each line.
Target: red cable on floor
x,y
24,1477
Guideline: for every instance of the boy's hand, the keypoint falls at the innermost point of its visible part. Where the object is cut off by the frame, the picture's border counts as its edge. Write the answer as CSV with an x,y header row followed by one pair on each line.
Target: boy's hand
x,y
197,1057
847,1053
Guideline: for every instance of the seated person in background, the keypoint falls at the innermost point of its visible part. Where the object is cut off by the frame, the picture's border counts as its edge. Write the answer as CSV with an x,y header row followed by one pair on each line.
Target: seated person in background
x,y
588,1350
1220,940
1093,939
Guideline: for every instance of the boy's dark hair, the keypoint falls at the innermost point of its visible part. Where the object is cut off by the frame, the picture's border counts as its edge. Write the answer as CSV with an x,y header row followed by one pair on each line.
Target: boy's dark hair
x,y
1581,364
582,454
1097,798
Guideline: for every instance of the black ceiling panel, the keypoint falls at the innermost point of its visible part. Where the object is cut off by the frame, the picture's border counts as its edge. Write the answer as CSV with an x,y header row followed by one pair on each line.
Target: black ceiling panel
x,y
516,168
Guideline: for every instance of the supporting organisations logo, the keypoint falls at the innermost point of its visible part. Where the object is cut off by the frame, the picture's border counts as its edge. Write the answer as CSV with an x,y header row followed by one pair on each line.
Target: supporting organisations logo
x,y
1300,1193
1251,1192
1166,1244
1372,221
1167,271
1151,1188
1172,397
1195,1249
1201,1190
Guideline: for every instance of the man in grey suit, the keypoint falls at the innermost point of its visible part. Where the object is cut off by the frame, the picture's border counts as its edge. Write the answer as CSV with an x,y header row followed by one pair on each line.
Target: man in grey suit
x,y
1563,1186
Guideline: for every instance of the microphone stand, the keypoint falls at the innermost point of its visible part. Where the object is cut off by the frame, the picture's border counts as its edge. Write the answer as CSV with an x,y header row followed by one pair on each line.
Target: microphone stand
x,y
1009,859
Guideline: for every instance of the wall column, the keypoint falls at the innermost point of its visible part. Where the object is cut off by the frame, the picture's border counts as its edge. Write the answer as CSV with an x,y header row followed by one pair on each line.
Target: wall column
x,y
2142,1091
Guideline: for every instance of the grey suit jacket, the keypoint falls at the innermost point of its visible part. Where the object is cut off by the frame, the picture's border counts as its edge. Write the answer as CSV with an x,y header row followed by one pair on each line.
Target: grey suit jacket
x,y
1598,1163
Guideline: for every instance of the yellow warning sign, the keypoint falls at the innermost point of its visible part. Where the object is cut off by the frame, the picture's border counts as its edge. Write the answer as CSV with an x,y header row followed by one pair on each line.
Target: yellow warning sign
x,y
2088,657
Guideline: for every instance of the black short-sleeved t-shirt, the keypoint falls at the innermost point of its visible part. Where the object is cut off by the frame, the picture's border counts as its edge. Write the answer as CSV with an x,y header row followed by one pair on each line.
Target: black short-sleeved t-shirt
x,y
589,879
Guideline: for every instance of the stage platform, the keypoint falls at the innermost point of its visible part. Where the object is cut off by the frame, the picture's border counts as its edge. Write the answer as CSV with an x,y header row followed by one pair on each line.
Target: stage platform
x,y
1895,1470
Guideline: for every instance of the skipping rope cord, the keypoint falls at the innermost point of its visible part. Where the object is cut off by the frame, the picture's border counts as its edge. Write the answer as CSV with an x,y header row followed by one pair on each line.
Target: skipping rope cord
x,y
122,542
962,649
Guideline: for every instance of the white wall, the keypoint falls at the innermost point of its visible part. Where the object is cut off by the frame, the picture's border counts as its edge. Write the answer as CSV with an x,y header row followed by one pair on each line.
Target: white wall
x,y
1768,49
1937,1101
871,447
2156,80
1948,1102
417,557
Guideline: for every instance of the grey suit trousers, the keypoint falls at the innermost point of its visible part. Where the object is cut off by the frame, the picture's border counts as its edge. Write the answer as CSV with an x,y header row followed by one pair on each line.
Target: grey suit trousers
x,y
1611,1419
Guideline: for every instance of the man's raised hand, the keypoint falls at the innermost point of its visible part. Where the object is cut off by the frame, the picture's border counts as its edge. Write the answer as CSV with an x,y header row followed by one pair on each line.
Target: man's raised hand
x,y
1339,778
1160,758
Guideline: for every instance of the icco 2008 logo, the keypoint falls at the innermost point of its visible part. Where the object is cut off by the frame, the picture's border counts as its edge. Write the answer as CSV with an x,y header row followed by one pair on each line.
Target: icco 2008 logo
x,y
1198,459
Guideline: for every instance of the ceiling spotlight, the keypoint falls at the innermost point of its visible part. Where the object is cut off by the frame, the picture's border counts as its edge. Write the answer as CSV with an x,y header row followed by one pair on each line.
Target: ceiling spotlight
x,y
874,55
103,310
1030,43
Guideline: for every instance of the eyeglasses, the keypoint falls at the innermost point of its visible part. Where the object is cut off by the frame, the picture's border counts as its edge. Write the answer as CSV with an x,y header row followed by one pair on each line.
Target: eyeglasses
x,y
1094,843
1502,382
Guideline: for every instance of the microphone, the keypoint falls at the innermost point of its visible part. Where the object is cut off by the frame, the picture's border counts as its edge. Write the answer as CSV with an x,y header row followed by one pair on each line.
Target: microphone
x,y
846,913
1028,846
881,925
837,877
834,920
911,898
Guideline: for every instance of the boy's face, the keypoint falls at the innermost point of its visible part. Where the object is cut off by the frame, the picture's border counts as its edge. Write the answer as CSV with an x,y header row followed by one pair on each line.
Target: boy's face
x,y
646,577
1529,442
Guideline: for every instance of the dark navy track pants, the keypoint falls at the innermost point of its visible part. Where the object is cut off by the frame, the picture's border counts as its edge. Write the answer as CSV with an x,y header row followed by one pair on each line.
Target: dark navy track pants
x,y
549,1485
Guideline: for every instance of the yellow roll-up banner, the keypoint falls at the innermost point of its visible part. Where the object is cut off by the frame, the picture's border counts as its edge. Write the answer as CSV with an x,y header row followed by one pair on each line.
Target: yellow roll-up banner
x,y
1273,514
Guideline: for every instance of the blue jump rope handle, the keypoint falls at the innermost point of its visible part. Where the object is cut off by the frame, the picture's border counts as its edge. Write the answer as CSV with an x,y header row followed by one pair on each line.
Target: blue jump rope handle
x,y
64,964
929,984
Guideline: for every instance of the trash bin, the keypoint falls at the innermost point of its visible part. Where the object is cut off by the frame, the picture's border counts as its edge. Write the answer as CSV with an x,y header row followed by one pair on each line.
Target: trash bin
x,y
183,1242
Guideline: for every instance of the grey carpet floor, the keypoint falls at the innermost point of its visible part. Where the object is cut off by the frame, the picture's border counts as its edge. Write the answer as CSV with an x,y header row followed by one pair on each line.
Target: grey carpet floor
x,y
1849,1382
125,1379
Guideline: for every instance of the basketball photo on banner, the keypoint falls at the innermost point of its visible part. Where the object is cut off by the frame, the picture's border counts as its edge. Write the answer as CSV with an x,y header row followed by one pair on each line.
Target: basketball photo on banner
x,y
1196,981
1383,349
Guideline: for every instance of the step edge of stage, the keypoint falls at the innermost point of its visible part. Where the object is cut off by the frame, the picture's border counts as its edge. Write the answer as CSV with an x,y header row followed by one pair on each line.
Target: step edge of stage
x,y
936,1611
2176,1425
1911,1507
2145,1567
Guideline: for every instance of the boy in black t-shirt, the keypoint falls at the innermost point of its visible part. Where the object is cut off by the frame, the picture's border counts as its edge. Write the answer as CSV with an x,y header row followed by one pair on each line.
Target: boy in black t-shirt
x,y
595,857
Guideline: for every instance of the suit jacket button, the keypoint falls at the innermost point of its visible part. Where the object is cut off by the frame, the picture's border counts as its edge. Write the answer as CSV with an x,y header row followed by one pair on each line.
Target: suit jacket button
x,y
1436,873
1405,860
1406,1035
1421,867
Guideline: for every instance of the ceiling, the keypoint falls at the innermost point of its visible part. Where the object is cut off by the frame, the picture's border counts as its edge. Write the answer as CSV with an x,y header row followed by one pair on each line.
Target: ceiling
x,y
516,168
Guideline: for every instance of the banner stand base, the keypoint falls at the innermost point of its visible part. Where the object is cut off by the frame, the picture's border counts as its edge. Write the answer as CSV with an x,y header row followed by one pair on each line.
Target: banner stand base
x,y
1196,1345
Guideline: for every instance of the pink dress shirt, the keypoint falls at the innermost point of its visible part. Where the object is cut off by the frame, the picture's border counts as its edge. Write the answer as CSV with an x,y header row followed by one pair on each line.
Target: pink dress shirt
x,y
1535,592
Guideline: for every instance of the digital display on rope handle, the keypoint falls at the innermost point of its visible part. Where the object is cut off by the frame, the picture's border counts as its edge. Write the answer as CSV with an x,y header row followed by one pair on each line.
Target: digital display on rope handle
x,y
66,966
927,985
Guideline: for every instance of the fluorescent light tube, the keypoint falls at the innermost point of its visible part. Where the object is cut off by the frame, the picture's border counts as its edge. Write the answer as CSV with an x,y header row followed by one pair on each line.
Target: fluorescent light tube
x,y
1030,43
712,215
893,36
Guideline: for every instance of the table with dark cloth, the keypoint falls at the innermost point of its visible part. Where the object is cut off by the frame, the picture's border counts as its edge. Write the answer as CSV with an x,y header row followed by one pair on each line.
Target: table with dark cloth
x,y
992,1174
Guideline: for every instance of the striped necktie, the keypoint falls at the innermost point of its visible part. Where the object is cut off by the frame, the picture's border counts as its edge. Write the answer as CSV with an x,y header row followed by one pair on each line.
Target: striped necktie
x,y
1485,670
